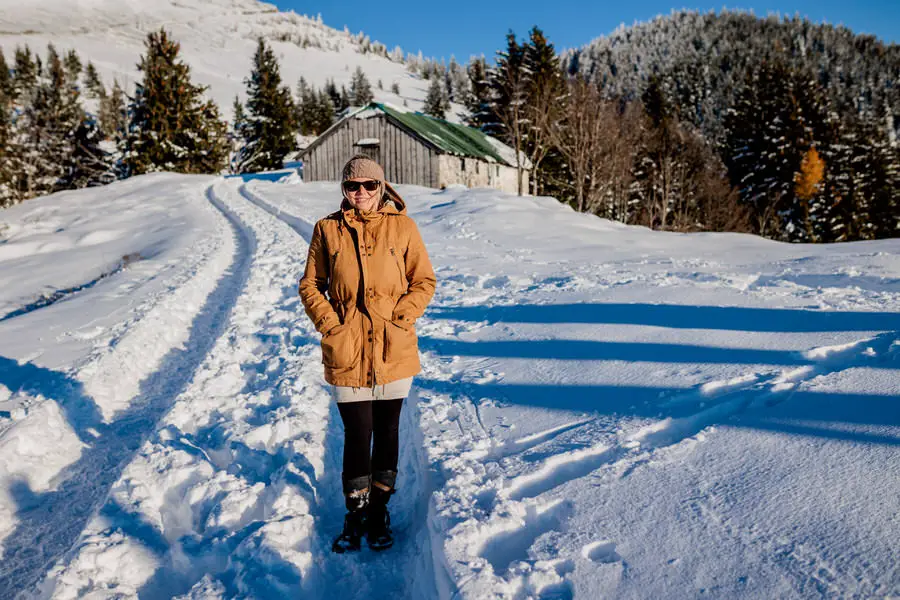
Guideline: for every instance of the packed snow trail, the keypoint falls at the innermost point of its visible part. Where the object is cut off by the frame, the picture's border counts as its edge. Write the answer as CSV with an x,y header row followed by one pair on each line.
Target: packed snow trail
x,y
404,571
238,491
111,425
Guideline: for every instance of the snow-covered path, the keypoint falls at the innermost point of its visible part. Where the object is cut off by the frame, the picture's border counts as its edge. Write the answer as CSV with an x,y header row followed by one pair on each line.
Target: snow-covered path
x,y
603,411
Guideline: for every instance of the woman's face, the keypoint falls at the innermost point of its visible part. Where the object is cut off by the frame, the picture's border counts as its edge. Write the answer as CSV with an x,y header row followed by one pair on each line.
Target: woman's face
x,y
360,197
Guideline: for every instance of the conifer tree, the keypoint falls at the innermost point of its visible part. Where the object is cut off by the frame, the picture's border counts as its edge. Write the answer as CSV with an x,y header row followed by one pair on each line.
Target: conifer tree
x,y
360,89
306,107
7,86
92,82
89,164
478,100
324,113
7,166
885,189
236,134
171,127
45,130
240,118
72,64
435,103
543,107
113,115
778,116
334,94
25,73
509,80
271,115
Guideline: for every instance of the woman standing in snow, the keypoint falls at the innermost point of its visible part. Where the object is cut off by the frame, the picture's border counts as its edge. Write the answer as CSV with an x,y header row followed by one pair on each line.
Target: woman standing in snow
x,y
367,279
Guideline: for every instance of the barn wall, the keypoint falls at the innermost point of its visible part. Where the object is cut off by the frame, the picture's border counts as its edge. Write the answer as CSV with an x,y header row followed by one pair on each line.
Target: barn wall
x,y
472,172
405,159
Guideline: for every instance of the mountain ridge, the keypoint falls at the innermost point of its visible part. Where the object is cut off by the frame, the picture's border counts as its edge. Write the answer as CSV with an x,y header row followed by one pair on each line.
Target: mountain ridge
x,y
217,37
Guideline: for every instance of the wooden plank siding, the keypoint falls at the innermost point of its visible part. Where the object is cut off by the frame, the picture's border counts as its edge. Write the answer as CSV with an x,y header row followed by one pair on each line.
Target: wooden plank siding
x,y
405,158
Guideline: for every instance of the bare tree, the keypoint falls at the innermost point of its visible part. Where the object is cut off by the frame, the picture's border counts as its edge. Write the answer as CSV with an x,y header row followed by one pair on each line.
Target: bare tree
x,y
582,137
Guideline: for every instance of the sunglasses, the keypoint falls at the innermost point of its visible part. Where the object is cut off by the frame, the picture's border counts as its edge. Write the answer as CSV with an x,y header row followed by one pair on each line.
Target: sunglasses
x,y
370,186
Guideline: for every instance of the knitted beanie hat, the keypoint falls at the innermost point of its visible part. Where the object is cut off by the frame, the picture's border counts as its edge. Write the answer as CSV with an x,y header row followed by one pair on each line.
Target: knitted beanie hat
x,y
362,166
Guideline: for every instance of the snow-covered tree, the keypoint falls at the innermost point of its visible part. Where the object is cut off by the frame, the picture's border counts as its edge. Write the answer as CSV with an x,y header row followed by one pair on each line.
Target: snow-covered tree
x,y
269,134
44,131
172,127
7,163
478,101
543,108
113,114
93,84
360,88
436,103
26,70
777,118
509,81
89,164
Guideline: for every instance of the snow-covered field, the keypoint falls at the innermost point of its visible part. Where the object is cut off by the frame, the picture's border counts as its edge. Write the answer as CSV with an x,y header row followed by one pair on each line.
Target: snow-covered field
x,y
604,411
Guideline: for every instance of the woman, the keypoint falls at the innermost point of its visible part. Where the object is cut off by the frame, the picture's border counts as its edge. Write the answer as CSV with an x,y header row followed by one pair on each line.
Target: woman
x,y
367,279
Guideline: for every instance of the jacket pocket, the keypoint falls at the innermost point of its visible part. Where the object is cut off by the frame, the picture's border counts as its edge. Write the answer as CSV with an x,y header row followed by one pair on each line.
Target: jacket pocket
x,y
399,342
341,347
404,283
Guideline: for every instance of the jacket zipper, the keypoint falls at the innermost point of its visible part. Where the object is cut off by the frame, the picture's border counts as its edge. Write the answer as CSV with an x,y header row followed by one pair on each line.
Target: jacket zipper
x,y
372,351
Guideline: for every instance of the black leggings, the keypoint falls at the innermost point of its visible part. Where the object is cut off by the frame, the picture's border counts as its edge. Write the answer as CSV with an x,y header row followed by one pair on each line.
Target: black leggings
x,y
361,421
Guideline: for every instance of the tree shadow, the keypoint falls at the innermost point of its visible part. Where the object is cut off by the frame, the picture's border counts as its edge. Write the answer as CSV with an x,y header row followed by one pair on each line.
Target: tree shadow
x,y
621,351
79,408
677,316
756,403
859,418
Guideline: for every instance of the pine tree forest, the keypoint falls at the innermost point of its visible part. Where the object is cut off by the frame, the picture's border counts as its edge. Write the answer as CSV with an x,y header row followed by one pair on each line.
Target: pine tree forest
x,y
697,121
689,122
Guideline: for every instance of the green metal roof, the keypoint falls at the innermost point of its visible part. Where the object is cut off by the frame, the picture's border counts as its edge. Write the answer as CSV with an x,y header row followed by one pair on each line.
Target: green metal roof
x,y
449,137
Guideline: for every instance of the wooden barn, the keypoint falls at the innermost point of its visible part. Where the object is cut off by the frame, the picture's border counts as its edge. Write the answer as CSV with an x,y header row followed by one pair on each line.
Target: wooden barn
x,y
413,148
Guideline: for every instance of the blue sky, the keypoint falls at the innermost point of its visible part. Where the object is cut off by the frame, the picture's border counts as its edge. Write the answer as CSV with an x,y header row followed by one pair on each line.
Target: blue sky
x,y
467,27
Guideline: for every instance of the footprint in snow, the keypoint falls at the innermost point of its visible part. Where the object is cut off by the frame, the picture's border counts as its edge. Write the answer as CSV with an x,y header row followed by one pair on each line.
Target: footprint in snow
x,y
603,551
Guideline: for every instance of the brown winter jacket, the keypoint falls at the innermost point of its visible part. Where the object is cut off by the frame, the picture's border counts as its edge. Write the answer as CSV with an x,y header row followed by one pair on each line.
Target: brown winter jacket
x,y
367,279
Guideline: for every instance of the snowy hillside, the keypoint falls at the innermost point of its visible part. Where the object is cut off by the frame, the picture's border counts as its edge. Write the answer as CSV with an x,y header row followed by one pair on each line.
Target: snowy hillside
x,y
604,411
218,38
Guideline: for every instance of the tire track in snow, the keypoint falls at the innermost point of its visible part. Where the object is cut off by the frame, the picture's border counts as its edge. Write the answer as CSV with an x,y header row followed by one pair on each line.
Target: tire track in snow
x,y
50,523
404,571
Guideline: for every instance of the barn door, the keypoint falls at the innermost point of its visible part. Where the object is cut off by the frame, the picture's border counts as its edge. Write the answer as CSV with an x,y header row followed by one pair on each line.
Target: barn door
x,y
369,147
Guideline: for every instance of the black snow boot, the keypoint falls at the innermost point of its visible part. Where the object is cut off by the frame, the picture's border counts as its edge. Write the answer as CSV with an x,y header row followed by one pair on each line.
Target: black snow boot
x,y
356,498
378,520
